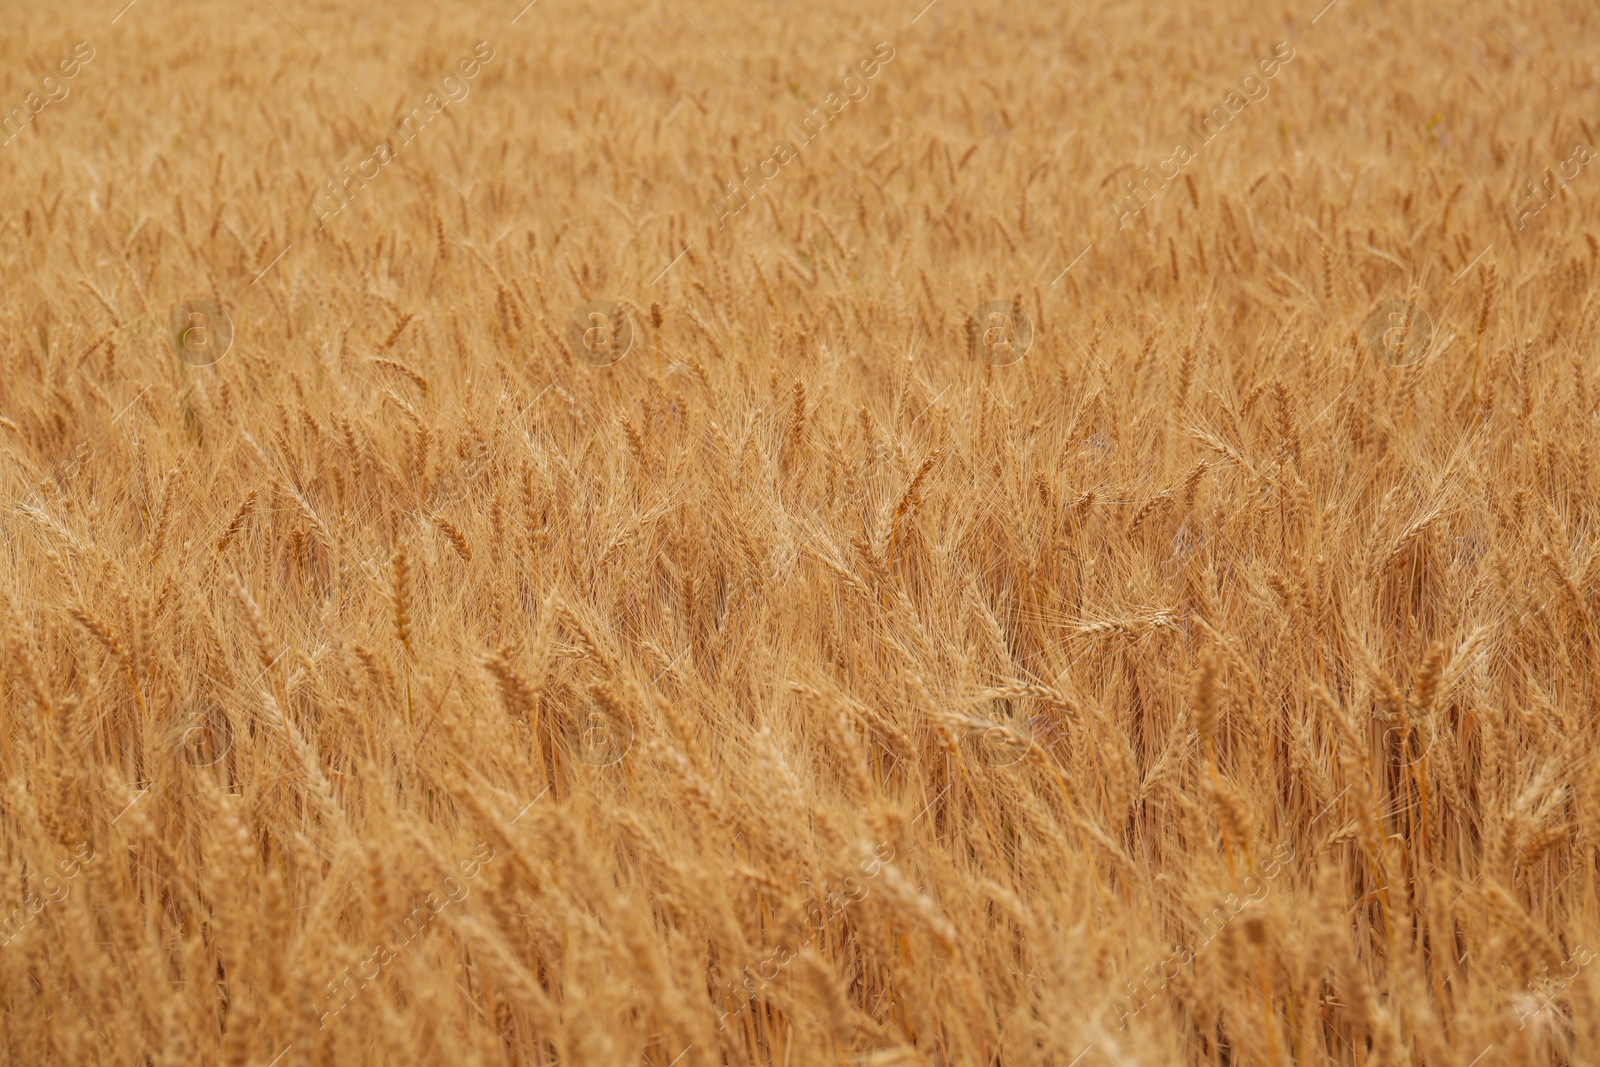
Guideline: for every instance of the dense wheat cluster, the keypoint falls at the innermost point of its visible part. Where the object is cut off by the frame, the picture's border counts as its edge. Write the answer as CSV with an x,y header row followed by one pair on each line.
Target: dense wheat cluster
x,y
1088,554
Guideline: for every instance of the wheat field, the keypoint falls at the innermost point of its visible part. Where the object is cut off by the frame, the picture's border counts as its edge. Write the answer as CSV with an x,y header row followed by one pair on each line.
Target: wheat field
x,y
696,533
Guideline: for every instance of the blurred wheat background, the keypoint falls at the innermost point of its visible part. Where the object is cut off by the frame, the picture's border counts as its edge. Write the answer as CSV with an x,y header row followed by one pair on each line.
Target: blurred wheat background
x,y
1201,688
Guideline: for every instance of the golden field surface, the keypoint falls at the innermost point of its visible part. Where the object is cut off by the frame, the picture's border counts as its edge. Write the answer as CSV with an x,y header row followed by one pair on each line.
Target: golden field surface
x,y
1087,554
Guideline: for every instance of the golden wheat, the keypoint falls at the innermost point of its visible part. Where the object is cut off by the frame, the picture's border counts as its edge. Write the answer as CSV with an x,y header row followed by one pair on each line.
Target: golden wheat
x,y
489,574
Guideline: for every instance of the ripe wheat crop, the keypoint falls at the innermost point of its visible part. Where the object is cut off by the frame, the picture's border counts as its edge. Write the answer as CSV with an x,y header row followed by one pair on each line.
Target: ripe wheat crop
x,y
698,533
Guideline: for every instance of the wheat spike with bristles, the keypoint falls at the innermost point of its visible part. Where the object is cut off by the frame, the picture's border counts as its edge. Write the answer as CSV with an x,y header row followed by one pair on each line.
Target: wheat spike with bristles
x,y
1486,304
241,516
400,595
395,365
453,534
266,650
1204,700
400,324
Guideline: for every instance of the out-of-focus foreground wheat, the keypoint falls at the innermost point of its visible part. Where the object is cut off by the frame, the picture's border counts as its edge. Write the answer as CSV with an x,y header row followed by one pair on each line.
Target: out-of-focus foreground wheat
x,y
1200,688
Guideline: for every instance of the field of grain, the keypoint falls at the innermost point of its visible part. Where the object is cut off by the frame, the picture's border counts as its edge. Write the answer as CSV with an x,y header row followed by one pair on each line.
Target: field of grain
x,y
693,533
